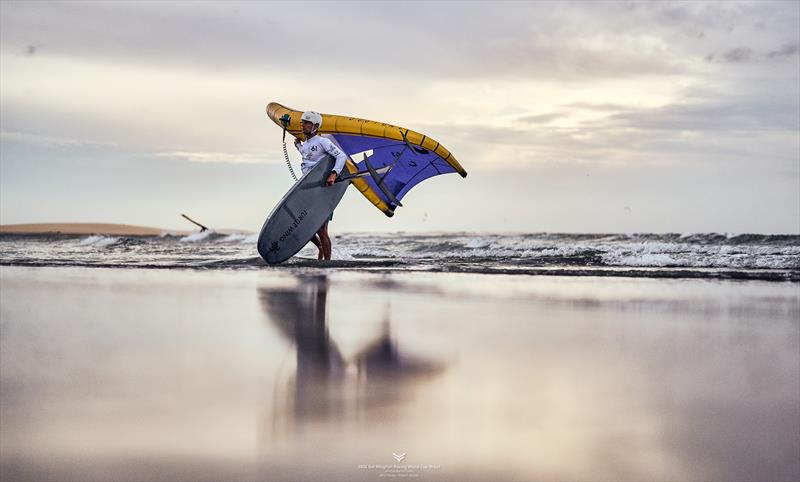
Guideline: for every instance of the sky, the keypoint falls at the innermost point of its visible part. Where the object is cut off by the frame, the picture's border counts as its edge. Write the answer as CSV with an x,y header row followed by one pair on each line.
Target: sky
x,y
568,116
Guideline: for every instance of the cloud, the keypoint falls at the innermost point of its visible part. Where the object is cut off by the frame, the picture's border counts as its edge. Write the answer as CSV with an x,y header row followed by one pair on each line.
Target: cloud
x,y
475,40
710,117
706,128
741,54
32,49
596,107
51,141
217,157
745,54
541,118
568,42
788,50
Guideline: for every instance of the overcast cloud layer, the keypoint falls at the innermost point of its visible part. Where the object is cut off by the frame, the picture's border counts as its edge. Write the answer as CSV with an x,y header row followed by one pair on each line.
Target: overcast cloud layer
x,y
569,116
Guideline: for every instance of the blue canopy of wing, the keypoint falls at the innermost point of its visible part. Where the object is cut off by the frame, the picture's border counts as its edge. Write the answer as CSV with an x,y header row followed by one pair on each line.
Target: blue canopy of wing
x,y
411,164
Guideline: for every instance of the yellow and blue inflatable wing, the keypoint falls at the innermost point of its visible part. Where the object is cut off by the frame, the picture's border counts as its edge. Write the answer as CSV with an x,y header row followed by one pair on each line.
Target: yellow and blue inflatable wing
x,y
397,159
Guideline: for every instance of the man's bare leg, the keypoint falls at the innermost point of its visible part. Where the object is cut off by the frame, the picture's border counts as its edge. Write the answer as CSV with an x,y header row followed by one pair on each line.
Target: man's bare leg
x,y
318,244
325,241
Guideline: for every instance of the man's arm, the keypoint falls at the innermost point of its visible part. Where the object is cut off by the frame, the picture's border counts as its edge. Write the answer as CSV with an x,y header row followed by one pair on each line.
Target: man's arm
x,y
341,158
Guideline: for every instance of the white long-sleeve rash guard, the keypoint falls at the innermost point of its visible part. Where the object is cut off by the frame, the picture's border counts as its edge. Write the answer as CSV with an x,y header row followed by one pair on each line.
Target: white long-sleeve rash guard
x,y
315,149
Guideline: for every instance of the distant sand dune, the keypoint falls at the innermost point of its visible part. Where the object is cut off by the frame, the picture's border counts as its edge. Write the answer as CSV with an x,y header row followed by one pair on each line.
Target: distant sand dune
x,y
102,228
86,228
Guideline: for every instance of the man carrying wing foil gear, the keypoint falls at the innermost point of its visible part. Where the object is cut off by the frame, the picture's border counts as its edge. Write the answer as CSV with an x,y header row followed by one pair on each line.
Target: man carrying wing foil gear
x,y
313,150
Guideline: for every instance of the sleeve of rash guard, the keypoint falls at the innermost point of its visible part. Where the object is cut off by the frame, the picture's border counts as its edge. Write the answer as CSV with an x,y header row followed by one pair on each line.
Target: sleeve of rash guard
x,y
340,156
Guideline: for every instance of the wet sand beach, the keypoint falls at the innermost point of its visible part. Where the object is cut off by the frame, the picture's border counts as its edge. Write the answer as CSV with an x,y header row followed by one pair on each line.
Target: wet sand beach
x,y
315,374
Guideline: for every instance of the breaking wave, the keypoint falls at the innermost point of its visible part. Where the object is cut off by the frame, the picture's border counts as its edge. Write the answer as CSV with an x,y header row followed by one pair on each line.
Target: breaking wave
x,y
98,241
710,255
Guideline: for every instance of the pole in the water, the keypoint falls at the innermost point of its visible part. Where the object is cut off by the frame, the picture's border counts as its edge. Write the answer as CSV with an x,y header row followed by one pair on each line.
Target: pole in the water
x,y
202,228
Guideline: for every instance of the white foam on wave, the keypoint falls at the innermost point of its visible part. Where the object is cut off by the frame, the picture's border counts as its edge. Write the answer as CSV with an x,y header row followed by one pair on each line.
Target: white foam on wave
x,y
240,238
338,252
341,252
232,238
560,251
661,255
633,251
194,237
90,240
477,243
659,260
106,242
98,241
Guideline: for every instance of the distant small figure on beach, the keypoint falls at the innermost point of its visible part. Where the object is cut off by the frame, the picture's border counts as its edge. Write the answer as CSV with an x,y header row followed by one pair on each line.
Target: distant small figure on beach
x,y
314,149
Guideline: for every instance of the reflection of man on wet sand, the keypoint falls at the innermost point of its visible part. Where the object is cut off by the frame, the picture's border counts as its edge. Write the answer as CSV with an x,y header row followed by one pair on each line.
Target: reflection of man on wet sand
x,y
384,375
299,314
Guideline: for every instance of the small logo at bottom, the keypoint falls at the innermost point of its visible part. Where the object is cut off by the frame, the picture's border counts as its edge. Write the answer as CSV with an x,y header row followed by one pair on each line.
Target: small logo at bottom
x,y
274,248
399,457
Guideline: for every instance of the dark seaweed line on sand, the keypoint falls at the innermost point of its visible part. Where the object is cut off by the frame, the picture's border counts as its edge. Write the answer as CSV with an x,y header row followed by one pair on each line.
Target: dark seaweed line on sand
x,y
632,273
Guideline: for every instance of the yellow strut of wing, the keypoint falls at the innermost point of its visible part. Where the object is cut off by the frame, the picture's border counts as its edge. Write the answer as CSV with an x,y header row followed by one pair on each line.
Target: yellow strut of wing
x,y
339,124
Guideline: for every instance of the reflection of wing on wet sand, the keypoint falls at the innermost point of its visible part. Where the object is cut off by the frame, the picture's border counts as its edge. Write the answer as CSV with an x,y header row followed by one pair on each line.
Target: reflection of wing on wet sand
x,y
326,387
387,374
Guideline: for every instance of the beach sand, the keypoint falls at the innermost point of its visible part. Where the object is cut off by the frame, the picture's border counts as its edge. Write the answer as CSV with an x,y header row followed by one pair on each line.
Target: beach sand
x,y
108,229
123,374
105,229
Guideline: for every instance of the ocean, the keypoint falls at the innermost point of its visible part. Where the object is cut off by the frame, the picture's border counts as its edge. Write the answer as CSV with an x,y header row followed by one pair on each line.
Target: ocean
x,y
706,255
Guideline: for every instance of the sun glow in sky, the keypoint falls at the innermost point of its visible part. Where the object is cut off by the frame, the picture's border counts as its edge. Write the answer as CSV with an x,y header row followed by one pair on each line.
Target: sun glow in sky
x,y
569,116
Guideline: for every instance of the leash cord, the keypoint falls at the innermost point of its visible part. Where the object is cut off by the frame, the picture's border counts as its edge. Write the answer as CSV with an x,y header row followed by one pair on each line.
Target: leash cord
x,y
288,162
285,121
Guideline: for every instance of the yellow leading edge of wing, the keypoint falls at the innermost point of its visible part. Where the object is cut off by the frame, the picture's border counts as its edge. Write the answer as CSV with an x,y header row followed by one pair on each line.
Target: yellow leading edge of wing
x,y
339,124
